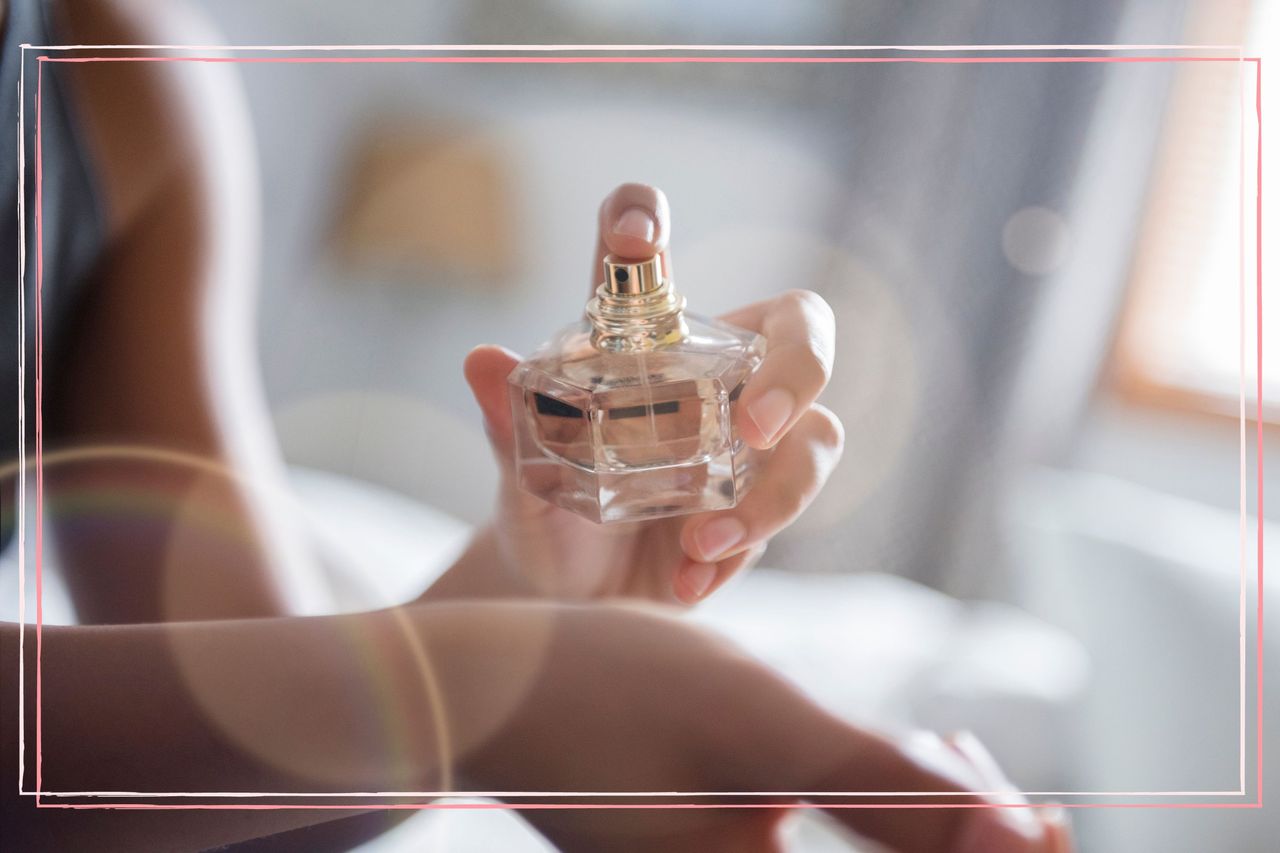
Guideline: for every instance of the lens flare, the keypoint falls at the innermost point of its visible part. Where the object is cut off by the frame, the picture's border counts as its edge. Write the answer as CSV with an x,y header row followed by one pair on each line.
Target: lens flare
x,y
212,683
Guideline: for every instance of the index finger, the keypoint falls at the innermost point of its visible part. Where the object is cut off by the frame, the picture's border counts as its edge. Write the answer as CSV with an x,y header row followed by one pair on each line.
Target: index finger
x,y
913,793
800,328
962,813
634,221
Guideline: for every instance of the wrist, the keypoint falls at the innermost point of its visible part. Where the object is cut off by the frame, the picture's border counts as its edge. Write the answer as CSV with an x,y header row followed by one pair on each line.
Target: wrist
x,y
480,572
485,663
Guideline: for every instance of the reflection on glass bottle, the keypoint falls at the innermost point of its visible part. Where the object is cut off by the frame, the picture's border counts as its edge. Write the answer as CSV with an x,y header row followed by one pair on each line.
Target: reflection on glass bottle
x,y
631,412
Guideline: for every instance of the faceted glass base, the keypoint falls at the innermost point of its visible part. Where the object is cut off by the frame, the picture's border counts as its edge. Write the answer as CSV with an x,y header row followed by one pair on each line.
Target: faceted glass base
x,y
616,436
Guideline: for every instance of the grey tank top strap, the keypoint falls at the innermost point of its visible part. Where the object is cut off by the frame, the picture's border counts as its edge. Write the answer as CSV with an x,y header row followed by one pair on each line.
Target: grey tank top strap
x,y
73,227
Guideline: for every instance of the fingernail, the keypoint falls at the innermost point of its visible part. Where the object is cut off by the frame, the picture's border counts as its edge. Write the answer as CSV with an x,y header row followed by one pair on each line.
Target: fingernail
x,y
991,830
772,411
1058,823
636,222
967,744
1000,790
941,758
717,536
697,579
1055,814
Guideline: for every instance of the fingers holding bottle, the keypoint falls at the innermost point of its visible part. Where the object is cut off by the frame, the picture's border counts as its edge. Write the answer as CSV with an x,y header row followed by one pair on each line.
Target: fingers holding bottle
x,y
800,329
792,476
486,369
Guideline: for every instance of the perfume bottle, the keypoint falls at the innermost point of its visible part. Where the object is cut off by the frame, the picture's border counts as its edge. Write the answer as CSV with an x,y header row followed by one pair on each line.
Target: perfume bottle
x,y
631,413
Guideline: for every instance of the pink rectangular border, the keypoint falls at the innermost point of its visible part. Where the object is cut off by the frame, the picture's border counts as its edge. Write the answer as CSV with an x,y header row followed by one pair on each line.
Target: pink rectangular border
x,y
1256,60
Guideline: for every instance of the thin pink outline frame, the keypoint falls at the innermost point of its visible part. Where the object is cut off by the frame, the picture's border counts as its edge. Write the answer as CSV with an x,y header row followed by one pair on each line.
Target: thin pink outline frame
x,y
41,59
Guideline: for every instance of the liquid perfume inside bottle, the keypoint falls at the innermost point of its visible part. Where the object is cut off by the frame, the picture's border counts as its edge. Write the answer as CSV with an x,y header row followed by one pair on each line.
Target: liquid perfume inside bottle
x,y
631,413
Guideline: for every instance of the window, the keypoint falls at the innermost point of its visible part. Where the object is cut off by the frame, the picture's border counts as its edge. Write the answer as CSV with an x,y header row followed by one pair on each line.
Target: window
x,y
1180,341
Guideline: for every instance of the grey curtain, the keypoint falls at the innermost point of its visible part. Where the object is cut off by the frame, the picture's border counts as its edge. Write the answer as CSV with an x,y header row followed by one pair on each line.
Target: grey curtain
x,y
938,324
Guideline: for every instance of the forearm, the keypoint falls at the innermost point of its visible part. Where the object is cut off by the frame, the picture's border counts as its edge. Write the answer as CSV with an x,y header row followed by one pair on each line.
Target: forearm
x,y
352,703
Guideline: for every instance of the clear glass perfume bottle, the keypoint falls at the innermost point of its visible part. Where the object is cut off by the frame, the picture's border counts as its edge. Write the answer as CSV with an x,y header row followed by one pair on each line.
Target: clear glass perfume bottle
x,y
631,412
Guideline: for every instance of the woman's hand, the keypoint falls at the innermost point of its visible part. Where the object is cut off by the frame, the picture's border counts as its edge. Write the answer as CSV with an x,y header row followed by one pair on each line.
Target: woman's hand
x,y
554,698
552,552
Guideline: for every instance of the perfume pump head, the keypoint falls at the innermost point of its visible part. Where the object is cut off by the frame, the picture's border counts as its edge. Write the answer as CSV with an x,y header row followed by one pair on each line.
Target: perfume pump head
x,y
636,307
632,277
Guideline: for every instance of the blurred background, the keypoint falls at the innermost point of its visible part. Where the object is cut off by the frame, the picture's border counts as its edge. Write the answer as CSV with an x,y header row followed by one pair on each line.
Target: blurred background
x,y
1037,273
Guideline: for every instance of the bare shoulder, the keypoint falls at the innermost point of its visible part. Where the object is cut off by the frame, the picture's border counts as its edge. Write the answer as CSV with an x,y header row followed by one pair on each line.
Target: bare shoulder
x,y
153,128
